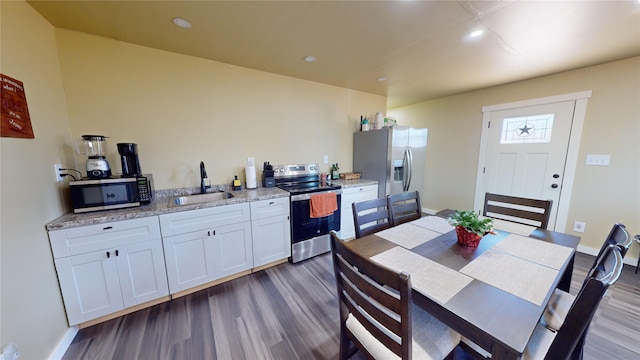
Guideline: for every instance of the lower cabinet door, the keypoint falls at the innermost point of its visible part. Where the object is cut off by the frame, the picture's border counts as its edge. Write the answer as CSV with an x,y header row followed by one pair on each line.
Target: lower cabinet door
x,y
142,273
271,239
232,249
189,260
89,285
350,196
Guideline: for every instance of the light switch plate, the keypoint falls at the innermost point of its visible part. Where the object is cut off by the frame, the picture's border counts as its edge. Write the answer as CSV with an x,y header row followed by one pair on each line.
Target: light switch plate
x,y
598,159
579,226
326,159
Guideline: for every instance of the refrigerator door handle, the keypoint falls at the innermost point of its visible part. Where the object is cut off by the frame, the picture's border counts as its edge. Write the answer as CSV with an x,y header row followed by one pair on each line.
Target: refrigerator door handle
x,y
408,162
410,168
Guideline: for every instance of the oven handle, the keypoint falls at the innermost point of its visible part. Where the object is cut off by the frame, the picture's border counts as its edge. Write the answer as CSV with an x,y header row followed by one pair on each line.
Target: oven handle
x,y
303,197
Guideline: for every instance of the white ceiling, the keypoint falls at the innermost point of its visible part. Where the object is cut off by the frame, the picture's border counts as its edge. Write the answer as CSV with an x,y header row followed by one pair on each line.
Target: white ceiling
x,y
422,47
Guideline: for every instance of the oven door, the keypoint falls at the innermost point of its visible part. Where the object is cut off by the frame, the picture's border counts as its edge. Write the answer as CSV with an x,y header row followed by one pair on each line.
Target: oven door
x,y
310,236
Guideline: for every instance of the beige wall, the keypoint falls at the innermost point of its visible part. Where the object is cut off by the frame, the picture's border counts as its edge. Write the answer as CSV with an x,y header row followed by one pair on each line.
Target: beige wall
x,y
181,110
601,196
31,309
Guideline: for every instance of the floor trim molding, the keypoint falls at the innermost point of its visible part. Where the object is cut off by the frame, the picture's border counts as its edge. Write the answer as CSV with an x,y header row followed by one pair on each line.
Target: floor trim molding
x,y
64,343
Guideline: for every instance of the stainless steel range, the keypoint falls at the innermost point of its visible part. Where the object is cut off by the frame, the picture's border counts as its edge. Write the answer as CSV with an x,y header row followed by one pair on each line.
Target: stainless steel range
x,y
309,236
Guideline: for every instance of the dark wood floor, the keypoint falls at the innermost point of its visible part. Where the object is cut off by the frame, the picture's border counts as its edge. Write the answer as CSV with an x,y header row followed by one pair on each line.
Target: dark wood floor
x,y
290,312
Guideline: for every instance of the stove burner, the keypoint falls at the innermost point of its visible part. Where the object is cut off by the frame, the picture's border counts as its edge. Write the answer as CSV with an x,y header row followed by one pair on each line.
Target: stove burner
x,y
300,179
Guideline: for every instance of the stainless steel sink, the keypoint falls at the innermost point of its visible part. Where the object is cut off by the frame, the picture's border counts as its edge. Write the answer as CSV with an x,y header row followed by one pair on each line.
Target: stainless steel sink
x,y
182,200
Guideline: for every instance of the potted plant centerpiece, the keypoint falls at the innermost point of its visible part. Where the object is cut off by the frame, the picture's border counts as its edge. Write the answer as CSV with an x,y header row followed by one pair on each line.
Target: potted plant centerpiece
x,y
469,227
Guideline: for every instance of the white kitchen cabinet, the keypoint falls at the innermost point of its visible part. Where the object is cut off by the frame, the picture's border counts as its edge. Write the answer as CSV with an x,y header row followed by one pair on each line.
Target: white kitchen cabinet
x,y
108,267
349,196
206,244
270,225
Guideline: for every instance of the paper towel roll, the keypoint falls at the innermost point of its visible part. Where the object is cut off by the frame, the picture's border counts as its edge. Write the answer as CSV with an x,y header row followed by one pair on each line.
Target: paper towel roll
x,y
250,172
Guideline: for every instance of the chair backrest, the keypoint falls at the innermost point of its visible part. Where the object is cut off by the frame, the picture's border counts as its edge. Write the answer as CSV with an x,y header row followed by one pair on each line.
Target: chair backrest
x,y
404,207
370,216
618,236
377,297
571,335
518,209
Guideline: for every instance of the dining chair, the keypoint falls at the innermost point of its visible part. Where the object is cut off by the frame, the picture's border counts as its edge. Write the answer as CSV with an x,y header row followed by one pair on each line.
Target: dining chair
x,y
518,209
377,315
404,207
568,341
370,216
561,301
618,236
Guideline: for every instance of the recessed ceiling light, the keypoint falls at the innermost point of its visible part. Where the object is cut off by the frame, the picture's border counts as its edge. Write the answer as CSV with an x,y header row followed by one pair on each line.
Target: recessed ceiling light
x,y
382,78
476,33
182,23
310,58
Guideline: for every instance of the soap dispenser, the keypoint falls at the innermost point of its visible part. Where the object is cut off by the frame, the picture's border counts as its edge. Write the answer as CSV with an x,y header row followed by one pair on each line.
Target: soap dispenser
x,y
237,184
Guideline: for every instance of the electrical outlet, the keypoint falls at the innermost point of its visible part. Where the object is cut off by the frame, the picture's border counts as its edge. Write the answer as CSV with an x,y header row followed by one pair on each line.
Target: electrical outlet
x,y
57,168
10,352
326,159
579,226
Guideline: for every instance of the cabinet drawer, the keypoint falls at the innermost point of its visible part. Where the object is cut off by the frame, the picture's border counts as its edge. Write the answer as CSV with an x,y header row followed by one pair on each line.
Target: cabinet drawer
x,y
89,238
269,208
203,219
354,195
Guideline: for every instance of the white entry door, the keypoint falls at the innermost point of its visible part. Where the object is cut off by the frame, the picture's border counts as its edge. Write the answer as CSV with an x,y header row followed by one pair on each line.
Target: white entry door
x,y
526,151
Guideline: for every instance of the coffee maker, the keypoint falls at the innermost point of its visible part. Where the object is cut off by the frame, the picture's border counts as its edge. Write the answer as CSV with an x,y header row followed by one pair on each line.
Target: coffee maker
x,y
129,159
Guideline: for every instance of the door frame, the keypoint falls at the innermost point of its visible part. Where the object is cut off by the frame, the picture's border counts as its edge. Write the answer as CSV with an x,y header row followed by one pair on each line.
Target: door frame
x,y
581,99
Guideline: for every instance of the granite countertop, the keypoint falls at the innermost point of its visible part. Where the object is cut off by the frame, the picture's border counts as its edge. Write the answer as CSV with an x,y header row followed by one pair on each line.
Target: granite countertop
x,y
354,183
159,206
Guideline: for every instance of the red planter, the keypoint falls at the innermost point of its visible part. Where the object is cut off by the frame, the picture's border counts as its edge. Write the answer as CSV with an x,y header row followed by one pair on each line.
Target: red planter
x,y
467,238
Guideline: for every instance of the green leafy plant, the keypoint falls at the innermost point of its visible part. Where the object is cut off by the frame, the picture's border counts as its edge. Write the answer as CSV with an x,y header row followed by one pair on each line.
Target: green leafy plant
x,y
470,220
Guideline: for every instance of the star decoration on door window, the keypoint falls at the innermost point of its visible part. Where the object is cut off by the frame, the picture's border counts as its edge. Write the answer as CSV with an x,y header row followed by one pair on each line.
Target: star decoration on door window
x,y
525,130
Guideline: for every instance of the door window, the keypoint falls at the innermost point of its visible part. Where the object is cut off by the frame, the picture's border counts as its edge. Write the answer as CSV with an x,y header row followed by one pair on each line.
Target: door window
x,y
533,129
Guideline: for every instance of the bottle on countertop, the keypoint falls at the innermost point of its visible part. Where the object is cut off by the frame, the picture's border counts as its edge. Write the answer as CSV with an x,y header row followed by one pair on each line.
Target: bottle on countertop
x,y
335,172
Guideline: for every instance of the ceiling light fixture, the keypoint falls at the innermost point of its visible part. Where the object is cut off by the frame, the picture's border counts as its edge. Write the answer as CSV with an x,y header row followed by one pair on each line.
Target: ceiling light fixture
x,y
181,23
310,58
382,78
476,33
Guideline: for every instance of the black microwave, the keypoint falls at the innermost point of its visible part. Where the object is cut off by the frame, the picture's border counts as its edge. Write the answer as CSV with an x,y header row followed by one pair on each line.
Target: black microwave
x,y
111,193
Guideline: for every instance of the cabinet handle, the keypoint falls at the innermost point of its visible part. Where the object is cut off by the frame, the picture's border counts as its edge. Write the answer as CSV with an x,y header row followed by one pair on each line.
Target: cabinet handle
x,y
214,233
117,253
271,203
107,228
108,254
208,233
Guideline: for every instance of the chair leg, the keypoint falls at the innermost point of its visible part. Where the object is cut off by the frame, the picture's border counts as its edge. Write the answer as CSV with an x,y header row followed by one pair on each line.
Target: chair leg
x,y
344,344
638,265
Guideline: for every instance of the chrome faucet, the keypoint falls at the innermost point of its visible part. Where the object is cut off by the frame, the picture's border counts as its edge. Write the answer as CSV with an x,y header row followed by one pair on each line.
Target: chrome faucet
x,y
203,175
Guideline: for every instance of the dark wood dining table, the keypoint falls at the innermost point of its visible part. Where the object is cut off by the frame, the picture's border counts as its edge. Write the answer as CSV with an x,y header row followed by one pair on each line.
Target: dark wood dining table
x,y
496,320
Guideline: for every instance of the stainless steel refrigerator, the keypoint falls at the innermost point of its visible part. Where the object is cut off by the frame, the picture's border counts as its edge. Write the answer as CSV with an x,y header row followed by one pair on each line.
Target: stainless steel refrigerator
x,y
395,156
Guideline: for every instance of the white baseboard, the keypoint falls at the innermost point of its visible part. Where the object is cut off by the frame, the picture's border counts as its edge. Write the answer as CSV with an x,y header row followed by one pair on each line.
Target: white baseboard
x,y
429,211
64,344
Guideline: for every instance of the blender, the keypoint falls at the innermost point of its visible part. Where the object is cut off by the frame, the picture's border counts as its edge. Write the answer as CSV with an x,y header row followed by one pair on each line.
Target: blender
x,y
95,147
